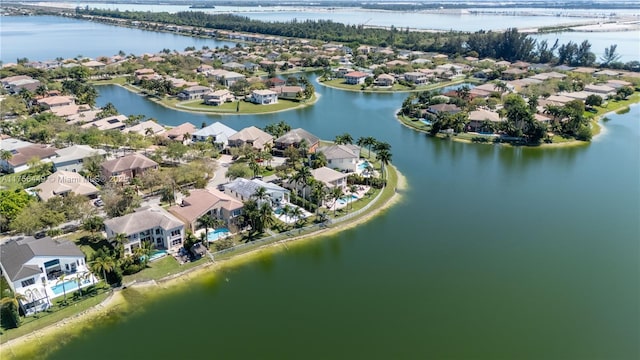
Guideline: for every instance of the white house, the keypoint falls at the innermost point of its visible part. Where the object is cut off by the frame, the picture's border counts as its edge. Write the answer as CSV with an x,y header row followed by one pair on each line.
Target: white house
x,y
33,268
218,97
355,77
72,157
264,97
194,92
244,189
342,157
149,224
330,177
217,132
22,152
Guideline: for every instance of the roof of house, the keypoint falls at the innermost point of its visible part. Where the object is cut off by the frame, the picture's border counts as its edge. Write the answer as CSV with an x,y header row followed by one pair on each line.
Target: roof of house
x,y
482,115
200,201
143,219
108,123
56,100
143,126
296,135
340,151
385,76
327,175
247,188
15,253
450,108
62,182
264,92
128,162
177,133
356,74
215,129
10,144
76,152
252,134
24,154
196,88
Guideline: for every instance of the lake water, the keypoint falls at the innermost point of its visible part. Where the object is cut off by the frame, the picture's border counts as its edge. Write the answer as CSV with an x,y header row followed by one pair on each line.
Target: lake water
x,y
628,42
494,253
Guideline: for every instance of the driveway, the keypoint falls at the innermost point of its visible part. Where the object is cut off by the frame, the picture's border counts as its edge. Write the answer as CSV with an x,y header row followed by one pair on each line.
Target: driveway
x,y
219,176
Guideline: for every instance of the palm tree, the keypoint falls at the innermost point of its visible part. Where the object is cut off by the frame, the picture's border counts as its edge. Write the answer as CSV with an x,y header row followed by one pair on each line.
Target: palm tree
x,y
265,216
303,146
261,194
319,192
6,155
303,177
103,264
287,210
335,194
352,189
297,214
80,278
384,156
366,142
41,90
345,138
207,222
119,240
254,166
61,280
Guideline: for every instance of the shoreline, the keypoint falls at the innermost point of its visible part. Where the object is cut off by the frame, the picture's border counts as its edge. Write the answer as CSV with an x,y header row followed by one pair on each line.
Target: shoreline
x,y
317,97
369,91
596,120
205,272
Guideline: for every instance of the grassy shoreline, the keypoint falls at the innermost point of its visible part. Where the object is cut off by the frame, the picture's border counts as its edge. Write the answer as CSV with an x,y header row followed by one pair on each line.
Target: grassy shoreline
x,y
356,88
119,303
213,110
596,126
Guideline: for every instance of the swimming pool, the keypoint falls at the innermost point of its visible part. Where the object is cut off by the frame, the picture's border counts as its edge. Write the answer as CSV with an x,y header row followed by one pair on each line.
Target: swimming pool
x,y
346,199
363,165
217,234
69,285
157,254
426,122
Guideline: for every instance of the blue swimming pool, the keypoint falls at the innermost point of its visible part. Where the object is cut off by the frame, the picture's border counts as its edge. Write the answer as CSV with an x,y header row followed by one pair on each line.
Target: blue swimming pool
x,y
217,234
346,199
363,165
69,285
426,122
157,254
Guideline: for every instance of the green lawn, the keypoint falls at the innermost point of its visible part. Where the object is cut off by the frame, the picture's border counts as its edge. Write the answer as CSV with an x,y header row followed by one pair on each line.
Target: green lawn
x,y
119,80
340,84
83,240
33,323
245,107
160,268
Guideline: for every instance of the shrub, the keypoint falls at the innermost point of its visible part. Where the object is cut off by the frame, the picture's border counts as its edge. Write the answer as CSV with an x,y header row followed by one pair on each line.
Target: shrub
x,y
584,133
223,244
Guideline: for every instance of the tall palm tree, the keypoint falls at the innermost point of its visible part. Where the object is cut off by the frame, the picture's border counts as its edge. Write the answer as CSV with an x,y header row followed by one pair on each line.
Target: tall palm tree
x,y
80,278
206,222
103,264
287,210
319,192
297,214
384,156
335,194
367,142
345,138
352,189
6,155
254,166
303,146
119,240
303,177
265,216
261,194
61,280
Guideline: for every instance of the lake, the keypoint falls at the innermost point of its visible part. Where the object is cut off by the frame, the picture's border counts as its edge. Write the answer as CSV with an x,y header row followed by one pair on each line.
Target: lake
x,y
494,252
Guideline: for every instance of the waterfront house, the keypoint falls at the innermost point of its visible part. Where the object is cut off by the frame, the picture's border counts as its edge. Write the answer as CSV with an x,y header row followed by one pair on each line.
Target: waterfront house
x,y
218,97
116,122
62,183
32,268
600,89
201,202
181,133
384,80
194,92
355,77
55,101
331,178
478,117
443,108
264,97
416,77
251,136
342,157
152,224
72,158
127,167
244,189
289,92
294,138
217,133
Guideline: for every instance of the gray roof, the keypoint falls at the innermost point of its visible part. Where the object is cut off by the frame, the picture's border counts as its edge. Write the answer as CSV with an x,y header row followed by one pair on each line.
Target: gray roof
x,y
143,219
12,144
345,151
215,129
76,152
296,135
247,188
15,253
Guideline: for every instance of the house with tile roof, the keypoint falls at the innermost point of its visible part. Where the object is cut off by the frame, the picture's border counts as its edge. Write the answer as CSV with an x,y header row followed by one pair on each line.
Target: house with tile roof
x,y
201,202
217,133
252,136
72,158
127,167
62,183
152,224
342,156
